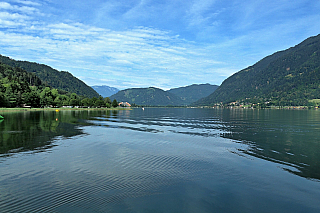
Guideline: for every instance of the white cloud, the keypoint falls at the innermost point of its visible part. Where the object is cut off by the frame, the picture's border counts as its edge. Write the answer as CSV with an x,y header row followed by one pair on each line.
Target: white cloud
x,y
32,3
146,56
29,10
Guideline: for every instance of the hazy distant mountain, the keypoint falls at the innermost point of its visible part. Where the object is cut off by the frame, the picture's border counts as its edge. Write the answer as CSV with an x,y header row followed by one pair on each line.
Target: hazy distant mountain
x,y
58,79
289,77
151,96
194,92
105,91
148,96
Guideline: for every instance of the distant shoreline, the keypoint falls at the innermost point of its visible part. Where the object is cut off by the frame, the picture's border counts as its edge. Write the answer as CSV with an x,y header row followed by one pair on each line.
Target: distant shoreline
x,y
273,107
128,108
54,109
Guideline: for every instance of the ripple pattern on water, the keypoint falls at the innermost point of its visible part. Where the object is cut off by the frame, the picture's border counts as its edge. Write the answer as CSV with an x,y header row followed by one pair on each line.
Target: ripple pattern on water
x,y
192,162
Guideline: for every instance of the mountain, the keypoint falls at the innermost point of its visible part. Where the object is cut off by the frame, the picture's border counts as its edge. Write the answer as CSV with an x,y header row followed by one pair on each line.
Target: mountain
x,y
148,97
192,93
105,91
289,77
58,79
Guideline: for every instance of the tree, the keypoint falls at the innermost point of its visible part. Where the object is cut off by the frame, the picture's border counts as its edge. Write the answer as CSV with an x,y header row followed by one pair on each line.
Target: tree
x,y
73,102
32,99
3,100
85,102
114,103
54,93
107,101
99,102
46,97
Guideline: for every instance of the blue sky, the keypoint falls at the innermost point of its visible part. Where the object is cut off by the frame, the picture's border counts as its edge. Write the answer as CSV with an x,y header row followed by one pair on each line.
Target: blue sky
x,y
142,43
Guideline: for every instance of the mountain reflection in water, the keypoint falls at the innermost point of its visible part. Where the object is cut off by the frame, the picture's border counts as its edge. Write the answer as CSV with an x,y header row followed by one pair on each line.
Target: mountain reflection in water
x,y
160,160
35,131
287,137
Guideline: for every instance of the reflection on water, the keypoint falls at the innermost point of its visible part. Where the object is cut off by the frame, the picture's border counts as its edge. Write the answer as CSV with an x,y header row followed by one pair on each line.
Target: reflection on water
x,y
160,160
286,137
35,130
282,136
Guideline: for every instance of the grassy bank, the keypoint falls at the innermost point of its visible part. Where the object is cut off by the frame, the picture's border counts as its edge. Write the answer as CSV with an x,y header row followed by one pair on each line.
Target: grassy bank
x,y
54,109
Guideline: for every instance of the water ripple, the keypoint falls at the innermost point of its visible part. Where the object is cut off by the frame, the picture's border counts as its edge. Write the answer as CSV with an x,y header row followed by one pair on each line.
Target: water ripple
x,y
120,159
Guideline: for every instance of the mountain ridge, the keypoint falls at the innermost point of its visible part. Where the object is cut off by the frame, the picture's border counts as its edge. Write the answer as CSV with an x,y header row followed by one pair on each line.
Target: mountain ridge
x,y
152,96
105,91
287,77
58,79
194,92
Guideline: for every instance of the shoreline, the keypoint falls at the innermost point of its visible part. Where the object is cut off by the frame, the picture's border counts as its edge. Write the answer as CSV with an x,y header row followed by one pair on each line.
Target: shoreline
x,y
54,109
128,108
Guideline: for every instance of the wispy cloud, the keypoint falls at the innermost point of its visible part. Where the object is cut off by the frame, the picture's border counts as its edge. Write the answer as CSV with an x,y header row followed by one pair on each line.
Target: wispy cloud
x,y
24,9
146,56
30,3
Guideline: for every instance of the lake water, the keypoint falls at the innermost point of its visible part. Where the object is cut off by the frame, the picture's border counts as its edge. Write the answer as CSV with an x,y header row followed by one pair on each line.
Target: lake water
x,y
160,160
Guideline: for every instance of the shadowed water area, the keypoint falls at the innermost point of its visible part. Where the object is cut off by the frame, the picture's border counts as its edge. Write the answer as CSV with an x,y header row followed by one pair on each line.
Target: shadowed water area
x,y
160,160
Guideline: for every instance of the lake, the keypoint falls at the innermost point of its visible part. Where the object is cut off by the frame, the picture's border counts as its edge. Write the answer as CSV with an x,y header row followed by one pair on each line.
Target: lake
x,y
160,160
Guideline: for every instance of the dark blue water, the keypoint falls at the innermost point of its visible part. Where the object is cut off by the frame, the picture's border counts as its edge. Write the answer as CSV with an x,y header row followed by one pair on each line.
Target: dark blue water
x,y
160,160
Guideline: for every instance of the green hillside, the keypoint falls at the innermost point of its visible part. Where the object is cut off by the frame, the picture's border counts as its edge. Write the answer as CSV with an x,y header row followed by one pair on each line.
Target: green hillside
x,y
59,80
289,77
19,87
192,93
148,97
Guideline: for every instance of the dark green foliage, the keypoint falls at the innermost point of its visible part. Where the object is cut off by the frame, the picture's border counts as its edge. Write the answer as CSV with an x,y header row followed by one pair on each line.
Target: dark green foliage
x,y
32,99
148,97
15,84
60,80
3,100
192,93
100,102
114,103
290,77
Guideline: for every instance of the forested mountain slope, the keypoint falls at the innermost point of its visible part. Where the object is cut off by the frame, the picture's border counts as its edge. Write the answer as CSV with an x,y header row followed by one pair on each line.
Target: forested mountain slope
x,y
192,93
289,77
57,79
148,97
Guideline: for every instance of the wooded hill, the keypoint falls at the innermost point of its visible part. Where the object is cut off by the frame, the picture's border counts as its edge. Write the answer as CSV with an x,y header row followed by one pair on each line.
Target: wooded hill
x,y
57,79
19,87
151,96
194,92
147,97
290,77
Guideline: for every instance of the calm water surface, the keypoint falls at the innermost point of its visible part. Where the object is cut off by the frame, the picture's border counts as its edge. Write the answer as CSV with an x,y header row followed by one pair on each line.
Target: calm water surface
x,y
160,160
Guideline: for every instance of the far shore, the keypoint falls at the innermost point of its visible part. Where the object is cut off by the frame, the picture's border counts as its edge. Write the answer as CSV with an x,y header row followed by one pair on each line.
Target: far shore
x,y
54,109
129,108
